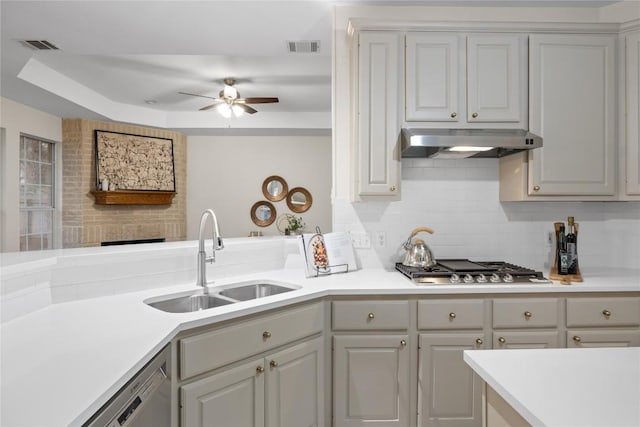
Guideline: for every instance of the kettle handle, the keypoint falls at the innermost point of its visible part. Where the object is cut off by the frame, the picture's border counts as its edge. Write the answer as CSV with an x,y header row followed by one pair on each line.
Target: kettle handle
x,y
420,229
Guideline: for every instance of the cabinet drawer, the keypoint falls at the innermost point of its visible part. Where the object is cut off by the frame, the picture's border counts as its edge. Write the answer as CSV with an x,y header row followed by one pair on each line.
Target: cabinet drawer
x,y
525,313
451,314
613,311
210,350
581,338
363,315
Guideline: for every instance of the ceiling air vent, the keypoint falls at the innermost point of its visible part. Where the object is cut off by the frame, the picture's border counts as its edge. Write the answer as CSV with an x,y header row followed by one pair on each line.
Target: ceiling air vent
x,y
40,44
304,46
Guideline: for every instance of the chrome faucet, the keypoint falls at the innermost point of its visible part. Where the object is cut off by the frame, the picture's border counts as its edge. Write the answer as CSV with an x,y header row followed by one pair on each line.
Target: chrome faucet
x,y
202,254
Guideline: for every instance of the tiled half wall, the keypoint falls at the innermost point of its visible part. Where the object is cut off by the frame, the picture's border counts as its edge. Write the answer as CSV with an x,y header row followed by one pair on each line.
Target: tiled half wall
x,y
86,224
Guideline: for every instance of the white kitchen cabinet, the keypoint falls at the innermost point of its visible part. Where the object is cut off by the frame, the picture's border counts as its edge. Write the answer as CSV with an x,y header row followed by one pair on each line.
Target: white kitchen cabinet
x,y
281,389
371,380
455,80
379,98
572,106
449,392
632,91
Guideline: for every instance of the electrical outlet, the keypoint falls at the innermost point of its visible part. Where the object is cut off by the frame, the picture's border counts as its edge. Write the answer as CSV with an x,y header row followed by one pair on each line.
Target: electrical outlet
x,y
550,239
360,239
381,239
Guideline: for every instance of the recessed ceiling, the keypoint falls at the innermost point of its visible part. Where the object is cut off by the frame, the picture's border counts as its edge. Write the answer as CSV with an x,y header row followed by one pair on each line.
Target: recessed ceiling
x,y
114,56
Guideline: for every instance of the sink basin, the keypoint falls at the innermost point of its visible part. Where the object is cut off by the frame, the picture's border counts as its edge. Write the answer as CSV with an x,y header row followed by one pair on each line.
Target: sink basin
x,y
218,296
254,290
189,303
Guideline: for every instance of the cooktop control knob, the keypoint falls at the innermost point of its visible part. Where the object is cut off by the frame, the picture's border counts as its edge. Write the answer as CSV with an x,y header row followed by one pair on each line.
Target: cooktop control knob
x,y
454,278
481,278
468,278
495,278
508,278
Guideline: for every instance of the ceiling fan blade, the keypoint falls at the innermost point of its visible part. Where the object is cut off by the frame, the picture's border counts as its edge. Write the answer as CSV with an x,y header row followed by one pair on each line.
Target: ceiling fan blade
x,y
208,107
260,100
246,108
195,94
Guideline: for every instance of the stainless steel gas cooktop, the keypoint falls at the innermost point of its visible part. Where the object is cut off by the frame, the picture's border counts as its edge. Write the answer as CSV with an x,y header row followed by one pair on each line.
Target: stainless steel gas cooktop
x,y
466,272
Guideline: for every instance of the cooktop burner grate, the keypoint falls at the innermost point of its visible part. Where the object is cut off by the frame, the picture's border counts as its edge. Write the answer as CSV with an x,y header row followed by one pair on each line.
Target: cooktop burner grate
x,y
463,271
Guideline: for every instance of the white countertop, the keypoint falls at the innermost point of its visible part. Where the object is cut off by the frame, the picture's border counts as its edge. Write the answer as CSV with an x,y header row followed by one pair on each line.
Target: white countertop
x,y
62,362
565,387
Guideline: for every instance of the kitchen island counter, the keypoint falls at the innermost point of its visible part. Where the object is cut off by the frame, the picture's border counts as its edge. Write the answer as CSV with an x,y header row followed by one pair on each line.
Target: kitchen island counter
x,y
565,387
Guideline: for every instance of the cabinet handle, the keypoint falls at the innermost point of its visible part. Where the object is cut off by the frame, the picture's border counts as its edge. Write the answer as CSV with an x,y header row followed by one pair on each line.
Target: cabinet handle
x,y
479,341
266,334
474,115
536,188
371,315
273,364
501,340
403,343
259,369
392,188
576,338
527,314
606,313
452,315
454,115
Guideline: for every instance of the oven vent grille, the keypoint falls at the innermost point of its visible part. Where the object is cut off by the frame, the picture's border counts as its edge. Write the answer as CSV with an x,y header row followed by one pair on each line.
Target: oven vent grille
x,y
304,46
40,44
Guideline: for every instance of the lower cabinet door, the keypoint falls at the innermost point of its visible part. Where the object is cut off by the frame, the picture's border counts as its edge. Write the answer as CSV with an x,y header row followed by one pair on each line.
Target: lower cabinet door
x,y
603,338
295,386
449,392
231,398
371,380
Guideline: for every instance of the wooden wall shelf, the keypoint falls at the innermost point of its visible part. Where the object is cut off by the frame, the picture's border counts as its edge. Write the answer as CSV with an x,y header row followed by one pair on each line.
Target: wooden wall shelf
x,y
122,197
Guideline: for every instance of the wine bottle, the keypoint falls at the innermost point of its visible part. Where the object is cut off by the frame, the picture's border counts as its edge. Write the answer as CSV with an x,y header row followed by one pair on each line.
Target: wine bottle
x,y
572,247
563,258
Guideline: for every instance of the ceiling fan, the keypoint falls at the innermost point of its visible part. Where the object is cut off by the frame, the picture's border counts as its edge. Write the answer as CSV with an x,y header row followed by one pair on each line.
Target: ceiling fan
x,y
230,102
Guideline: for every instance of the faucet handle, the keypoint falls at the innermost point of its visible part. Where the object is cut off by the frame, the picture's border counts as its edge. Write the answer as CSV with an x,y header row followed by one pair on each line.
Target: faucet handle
x,y
210,259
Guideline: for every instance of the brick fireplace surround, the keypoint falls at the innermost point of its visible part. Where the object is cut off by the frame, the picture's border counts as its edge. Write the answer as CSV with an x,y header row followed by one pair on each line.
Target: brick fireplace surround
x,y
86,224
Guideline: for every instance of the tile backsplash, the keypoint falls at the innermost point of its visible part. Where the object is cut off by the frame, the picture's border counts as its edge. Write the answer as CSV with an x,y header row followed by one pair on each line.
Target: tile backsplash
x,y
459,200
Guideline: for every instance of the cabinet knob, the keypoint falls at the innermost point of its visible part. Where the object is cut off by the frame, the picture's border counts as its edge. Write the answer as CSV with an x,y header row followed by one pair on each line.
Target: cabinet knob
x,y
403,343
273,364
371,315
527,314
392,188
479,341
576,338
454,115
452,315
606,313
266,334
259,369
474,115
501,340
536,188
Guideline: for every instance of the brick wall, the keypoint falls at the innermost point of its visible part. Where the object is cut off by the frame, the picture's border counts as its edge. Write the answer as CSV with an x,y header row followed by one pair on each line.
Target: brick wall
x,y
86,224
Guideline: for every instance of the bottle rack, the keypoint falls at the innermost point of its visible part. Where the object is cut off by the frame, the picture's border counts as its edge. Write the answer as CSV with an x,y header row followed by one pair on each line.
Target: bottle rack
x,y
553,273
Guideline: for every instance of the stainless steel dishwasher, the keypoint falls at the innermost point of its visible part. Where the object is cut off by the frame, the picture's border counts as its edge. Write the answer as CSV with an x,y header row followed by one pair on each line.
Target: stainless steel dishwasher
x,y
145,401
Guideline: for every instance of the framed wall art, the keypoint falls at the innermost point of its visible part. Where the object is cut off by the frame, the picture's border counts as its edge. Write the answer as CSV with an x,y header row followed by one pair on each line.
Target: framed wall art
x,y
133,162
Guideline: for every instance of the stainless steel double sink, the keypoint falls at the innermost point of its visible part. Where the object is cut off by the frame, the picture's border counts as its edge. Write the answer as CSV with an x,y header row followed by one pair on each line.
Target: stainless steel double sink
x,y
190,301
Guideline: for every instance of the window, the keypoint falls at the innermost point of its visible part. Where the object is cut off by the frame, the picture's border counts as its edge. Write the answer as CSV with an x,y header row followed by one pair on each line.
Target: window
x,y
37,193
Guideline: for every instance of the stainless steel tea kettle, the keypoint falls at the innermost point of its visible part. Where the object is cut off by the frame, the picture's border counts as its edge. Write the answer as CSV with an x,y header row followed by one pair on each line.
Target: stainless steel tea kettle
x,y
417,252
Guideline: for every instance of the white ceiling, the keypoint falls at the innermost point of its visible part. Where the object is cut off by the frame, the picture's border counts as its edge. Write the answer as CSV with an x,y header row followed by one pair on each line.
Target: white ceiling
x,y
116,55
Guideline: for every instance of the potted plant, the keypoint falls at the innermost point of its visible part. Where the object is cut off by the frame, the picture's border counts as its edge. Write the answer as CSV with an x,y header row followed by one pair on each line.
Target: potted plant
x,y
295,225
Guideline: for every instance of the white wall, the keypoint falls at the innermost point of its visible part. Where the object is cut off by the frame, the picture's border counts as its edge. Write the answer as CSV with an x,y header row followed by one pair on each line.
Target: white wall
x,y
225,173
16,119
459,198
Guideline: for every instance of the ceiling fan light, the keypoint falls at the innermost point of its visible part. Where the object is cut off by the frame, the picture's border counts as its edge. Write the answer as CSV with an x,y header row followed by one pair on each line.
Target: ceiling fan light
x,y
230,92
238,111
224,110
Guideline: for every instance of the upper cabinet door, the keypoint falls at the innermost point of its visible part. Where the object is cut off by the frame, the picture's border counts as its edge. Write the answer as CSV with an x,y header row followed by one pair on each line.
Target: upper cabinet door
x,y
435,77
497,78
573,104
379,100
633,114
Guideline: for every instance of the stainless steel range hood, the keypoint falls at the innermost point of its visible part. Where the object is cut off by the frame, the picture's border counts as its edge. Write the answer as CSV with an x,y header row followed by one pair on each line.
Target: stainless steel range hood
x,y
462,143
